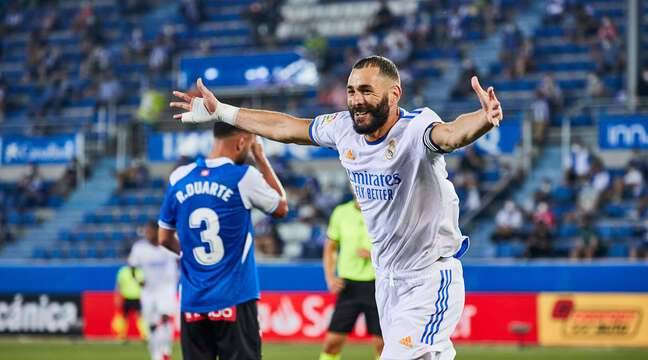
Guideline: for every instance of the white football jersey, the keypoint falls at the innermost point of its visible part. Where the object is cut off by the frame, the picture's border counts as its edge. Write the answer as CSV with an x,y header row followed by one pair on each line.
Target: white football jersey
x,y
159,266
410,207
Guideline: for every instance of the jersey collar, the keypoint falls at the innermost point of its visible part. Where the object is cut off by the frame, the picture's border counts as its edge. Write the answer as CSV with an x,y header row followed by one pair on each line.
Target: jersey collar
x,y
401,112
212,163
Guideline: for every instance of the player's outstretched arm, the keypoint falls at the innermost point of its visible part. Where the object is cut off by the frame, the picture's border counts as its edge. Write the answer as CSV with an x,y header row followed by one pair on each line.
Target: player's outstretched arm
x,y
269,124
269,175
467,128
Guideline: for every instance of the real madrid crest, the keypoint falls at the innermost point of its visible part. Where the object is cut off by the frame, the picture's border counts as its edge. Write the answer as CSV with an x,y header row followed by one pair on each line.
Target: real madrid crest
x,y
391,149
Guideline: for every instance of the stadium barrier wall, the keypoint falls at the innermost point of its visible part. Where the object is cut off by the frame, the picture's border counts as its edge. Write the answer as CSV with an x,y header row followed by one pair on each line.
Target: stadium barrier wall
x,y
534,303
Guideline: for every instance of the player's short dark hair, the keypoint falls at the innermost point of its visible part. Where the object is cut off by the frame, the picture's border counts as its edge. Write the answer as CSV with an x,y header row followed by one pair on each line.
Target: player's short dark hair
x,y
152,224
386,66
223,130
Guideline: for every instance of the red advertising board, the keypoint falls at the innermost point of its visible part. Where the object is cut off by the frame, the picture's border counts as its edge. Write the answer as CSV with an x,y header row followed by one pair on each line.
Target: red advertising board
x,y
498,317
101,318
304,316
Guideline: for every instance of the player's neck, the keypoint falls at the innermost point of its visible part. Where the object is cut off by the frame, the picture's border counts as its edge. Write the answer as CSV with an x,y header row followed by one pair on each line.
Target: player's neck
x,y
383,130
221,152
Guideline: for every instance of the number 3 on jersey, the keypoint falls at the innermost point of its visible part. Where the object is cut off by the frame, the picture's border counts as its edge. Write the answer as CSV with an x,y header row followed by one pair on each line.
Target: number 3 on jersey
x,y
209,236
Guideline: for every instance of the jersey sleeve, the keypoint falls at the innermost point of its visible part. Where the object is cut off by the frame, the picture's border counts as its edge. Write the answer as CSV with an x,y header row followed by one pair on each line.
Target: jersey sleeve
x,y
422,133
255,192
322,130
167,218
333,230
134,258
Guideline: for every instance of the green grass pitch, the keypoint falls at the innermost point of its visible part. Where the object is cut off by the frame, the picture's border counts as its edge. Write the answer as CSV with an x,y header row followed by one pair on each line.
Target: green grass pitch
x,y
12,348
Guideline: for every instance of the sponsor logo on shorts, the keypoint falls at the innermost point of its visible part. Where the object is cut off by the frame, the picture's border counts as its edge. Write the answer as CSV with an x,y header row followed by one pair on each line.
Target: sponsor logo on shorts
x,y
227,314
407,342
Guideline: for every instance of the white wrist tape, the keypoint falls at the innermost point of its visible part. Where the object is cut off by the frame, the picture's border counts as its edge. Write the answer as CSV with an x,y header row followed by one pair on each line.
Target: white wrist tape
x,y
199,113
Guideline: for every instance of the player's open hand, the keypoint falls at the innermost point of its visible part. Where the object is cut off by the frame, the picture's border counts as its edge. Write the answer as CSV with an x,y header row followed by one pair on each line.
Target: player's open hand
x,y
198,107
363,253
489,103
335,284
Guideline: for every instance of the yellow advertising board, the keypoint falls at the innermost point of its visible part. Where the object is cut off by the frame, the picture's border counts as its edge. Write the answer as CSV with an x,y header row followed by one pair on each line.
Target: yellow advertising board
x,y
592,319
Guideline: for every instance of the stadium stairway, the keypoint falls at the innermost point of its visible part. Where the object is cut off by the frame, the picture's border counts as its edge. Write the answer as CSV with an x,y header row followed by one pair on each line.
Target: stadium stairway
x,y
487,52
545,167
91,196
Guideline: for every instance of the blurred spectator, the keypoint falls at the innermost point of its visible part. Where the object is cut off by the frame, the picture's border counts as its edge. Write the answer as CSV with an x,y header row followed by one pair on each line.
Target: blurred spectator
x,y
512,40
110,90
68,180
473,199
579,160
586,22
192,11
264,16
539,243
83,19
471,161
36,46
551,91
159,58
543,215
397,46
98,61
600,176
50,21
52,62
56,94
463,87
137,175
384,19
587,245
554,11
608,52
162,51
455,30
639,248
543,194
633,181
639,160
31,189
508,222
268,243
136,47
13,18
594,88
524,60
368,44
642,84
540,117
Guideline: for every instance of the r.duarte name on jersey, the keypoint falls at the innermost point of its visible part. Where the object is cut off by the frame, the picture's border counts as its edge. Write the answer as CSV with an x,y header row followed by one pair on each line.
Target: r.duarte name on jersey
x,y
206,188
369,186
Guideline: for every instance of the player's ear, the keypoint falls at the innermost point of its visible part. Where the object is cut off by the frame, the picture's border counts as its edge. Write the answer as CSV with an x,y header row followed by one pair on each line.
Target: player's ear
x,y
395,94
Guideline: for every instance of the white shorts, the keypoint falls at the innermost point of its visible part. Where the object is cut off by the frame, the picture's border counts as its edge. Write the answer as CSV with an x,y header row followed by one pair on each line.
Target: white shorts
x,y
158,303
420,310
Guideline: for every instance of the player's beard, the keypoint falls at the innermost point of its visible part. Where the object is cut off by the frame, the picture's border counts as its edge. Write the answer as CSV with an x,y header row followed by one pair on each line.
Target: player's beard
x,y
377,114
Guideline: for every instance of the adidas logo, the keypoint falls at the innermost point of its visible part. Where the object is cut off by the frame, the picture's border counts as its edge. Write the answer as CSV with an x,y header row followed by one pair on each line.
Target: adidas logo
x,y
406,341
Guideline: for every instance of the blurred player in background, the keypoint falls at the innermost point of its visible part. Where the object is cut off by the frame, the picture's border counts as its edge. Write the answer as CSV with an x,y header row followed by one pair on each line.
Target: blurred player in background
x,y
394,160
349,246
128,289
159,291
208,203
